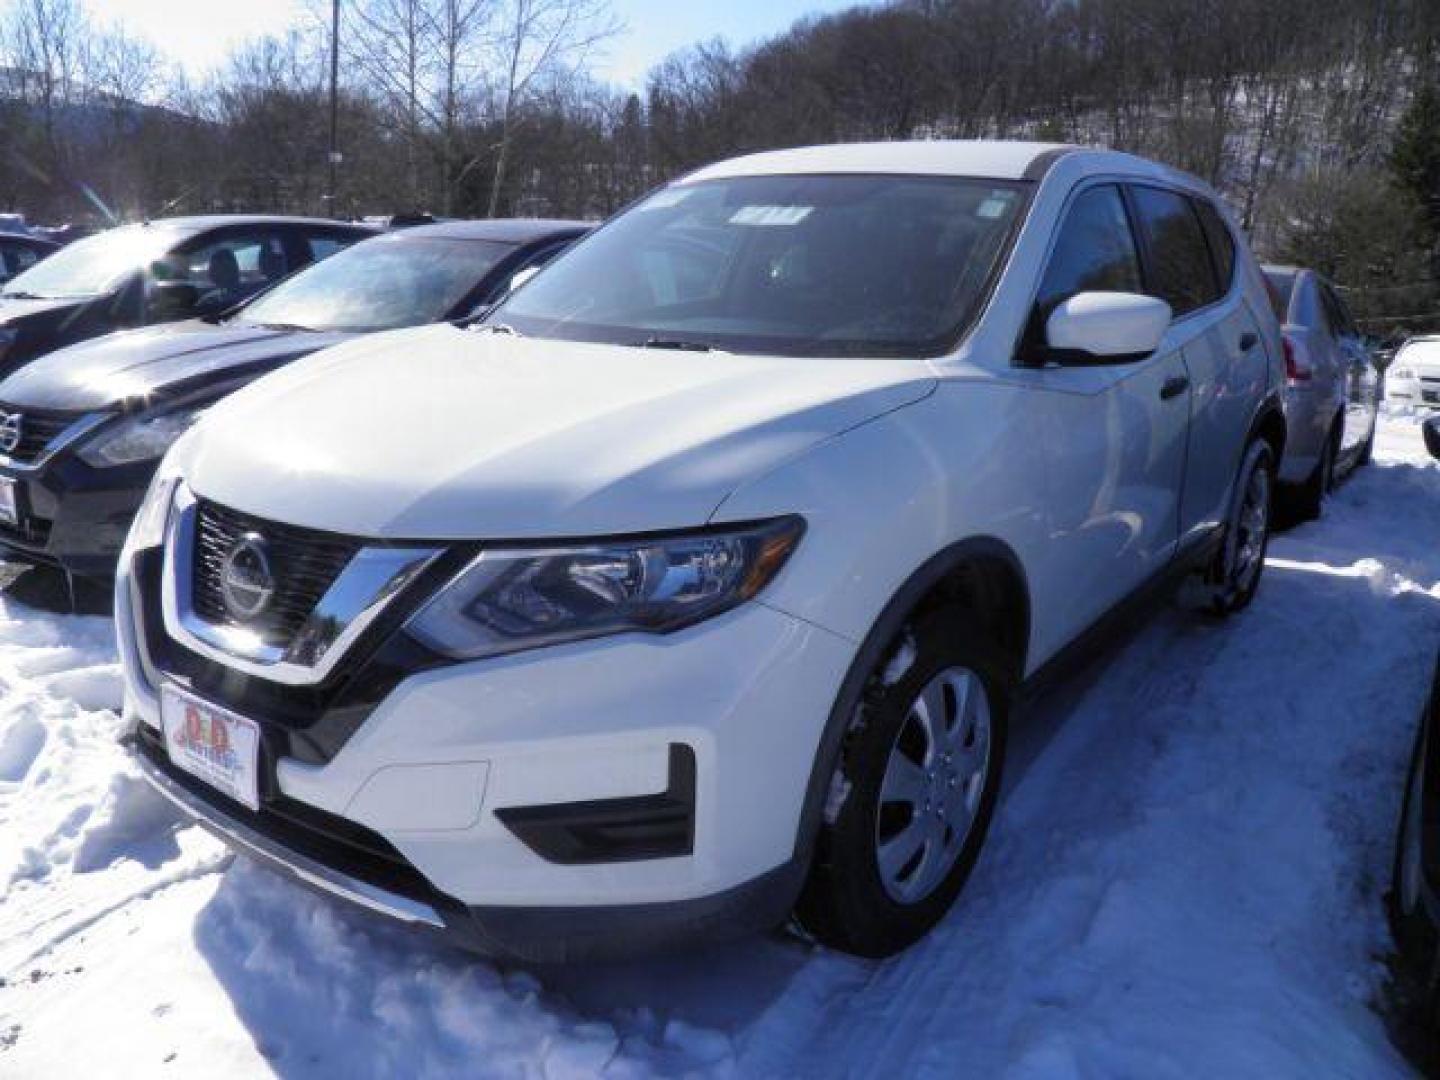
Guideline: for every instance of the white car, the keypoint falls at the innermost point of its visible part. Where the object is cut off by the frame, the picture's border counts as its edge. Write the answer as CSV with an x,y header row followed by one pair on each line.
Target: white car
x,y
697,585
1332,389
1413,376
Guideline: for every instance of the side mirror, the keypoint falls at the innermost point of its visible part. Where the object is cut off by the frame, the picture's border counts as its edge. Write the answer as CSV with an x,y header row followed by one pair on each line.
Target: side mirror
x,y
1431,430
173,300
1106,328
521,278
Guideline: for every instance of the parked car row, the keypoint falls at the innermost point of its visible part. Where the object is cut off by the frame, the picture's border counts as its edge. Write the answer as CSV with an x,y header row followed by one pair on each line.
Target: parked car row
x,y
84,428
1332,387
695,583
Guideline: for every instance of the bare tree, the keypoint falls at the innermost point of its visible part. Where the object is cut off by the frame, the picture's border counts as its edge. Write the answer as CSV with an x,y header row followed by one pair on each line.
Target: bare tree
x,y
532,40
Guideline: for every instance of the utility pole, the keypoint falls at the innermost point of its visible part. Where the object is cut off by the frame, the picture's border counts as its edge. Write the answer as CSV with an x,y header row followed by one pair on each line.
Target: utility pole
x,y
335,156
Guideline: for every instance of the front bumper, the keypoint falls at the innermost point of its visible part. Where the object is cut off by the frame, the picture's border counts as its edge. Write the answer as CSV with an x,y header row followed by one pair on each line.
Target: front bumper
x,y
495,786
1423,392
72,515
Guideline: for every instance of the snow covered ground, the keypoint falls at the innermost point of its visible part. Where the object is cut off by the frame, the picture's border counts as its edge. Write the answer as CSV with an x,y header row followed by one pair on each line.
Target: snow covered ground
x,y
1185,879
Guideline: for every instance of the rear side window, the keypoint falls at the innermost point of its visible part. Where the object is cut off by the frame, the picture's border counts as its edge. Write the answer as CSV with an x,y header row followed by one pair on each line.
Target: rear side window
x,y
1181,273
1280,284
1336,312
1222,242
1095,251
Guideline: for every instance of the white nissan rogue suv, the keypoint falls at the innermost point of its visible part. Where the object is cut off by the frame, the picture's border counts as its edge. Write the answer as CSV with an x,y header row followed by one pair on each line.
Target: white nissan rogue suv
x,y
697,584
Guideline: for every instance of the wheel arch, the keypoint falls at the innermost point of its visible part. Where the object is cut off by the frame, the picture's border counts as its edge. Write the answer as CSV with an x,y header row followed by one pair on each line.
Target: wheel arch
x,y
1269,424
980,572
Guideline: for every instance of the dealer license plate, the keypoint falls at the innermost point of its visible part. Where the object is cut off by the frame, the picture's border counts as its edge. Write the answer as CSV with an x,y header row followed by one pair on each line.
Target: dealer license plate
x,y
214,744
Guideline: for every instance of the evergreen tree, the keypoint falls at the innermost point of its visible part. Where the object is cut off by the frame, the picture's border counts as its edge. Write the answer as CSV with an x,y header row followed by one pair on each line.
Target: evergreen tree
x,y
1415,158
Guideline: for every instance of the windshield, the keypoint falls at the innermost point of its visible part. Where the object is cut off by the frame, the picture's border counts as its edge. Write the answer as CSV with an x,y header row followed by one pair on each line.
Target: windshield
x,y
791,265
94,265
380,284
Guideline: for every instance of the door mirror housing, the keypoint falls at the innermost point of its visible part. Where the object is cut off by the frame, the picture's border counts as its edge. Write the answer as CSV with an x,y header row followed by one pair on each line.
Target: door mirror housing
x,y
521,277
1106,328
1431,431
170,300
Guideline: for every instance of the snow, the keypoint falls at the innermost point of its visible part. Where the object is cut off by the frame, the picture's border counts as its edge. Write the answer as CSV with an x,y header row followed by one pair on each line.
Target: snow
x,y
1185,878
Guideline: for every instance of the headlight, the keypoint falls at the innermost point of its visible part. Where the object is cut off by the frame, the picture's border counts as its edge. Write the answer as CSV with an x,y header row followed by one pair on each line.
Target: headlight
x,y
148,528
508,600
141,438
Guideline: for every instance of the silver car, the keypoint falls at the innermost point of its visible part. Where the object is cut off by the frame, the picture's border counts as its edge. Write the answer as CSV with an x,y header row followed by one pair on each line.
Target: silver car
x,y
1413,377
1332,388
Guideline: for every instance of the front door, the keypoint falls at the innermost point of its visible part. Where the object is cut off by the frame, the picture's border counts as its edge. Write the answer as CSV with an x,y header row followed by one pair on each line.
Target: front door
x,y
1115,432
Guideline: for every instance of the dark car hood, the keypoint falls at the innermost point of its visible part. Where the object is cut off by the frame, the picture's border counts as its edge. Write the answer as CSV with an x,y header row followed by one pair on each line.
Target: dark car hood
x,y
139,363
19,312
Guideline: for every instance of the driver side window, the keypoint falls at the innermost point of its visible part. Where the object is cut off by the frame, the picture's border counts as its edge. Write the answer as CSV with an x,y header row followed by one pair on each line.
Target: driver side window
x,y
1095,251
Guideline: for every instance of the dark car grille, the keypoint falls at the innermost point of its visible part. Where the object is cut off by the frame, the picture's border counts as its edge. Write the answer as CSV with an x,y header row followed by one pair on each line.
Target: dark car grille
x,y
304,562
38,428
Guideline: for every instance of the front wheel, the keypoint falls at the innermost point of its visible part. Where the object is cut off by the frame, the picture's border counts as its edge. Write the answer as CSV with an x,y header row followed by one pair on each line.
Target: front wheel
x,y
1415,934
914,791
1235,574
1367,448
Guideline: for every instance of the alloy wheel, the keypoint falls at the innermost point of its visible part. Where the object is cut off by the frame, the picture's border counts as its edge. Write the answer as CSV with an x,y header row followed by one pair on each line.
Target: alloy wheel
x,y
1251,528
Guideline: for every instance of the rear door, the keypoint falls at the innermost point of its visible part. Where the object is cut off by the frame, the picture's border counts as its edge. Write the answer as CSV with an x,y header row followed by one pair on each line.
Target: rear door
x,y
1191,263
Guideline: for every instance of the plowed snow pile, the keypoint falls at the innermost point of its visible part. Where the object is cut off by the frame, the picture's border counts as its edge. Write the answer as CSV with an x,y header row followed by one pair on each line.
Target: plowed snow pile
x,y
1185,880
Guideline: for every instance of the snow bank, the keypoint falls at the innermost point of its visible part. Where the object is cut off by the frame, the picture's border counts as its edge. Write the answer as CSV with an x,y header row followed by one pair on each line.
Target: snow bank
x,y
1185,879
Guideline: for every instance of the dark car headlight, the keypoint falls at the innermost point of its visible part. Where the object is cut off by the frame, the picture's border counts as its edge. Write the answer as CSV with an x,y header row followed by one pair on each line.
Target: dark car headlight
x,y
511,599
145,437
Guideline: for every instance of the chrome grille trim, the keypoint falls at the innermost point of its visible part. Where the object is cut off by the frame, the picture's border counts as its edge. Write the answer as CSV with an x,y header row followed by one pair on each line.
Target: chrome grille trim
x,y
77,429
362,589
308,564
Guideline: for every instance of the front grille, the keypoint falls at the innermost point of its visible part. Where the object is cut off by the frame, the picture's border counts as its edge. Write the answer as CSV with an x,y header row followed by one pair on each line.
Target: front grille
x,y
305,563
38,428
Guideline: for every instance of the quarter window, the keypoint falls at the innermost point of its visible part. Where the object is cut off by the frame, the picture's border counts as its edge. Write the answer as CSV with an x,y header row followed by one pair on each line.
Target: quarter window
x,y
1095,251
1181,273
1337,313
1222,242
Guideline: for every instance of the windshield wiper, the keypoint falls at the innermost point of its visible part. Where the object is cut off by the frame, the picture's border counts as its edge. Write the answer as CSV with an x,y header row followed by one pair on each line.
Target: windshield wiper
x,y
674,343
496,328
284,326
22,296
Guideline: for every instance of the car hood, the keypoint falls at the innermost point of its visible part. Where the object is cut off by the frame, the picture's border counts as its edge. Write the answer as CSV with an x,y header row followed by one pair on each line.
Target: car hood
x,y
444,433
136,364
13,312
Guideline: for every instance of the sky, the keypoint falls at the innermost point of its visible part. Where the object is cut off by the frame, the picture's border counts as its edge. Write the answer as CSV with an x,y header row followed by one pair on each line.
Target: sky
x,y
198,33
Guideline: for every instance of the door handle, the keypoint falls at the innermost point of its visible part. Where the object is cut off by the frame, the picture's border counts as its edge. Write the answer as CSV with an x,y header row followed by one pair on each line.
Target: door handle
x,y
1174,387
1248,341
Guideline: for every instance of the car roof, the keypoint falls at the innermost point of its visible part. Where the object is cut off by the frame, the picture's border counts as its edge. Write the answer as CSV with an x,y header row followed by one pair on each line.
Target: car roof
x,y
504,230
979,158
203,223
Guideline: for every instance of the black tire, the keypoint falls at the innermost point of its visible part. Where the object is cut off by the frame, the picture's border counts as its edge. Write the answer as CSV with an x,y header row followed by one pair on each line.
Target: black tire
x,y
1367,448
1415,934
1231,583
1308,502
845,903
